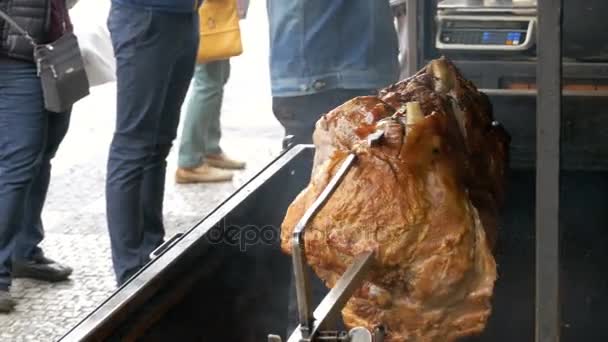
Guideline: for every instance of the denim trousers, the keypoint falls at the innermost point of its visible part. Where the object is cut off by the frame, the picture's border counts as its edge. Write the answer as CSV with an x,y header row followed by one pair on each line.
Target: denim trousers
x,y
29,139
201,132
299,114
155,56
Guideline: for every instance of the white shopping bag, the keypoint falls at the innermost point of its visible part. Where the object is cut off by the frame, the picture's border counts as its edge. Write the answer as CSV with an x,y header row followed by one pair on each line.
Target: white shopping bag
x,y
89,18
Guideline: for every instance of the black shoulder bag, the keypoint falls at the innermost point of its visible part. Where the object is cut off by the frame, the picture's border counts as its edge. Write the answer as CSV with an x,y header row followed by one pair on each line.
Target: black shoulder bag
x,y
60,68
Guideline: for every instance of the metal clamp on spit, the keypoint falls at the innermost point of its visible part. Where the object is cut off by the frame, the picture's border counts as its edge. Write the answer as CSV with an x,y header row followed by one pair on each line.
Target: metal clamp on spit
x,y
315,326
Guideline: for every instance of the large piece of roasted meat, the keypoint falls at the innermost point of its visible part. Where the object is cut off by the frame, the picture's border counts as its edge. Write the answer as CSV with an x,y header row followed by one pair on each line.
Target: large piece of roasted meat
x,y
425,200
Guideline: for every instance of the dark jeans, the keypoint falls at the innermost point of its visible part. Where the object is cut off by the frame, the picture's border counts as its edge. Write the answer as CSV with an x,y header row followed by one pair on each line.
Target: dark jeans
x,y
299,114
29,139
155,57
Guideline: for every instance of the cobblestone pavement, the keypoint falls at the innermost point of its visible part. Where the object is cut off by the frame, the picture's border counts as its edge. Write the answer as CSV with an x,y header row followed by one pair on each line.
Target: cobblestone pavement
x,y
74,217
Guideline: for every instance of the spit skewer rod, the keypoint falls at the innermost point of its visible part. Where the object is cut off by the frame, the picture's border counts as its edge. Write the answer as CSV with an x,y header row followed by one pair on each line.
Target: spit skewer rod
x,y
302,281
335,300
299,260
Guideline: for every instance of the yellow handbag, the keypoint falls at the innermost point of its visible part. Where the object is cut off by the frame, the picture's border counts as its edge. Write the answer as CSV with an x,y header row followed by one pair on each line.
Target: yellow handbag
x,y
220,31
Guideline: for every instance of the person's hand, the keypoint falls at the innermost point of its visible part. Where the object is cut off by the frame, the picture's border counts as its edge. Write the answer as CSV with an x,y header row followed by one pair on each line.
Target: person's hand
x,y
399,7
242,6
70,3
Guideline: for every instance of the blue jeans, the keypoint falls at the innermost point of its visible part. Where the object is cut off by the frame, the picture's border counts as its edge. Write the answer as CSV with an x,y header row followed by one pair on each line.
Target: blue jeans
x,y
201,131
29,139
299,114
155,55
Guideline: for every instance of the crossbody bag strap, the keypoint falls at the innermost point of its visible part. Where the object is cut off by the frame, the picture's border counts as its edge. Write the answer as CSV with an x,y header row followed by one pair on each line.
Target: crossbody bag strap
x,y
18,28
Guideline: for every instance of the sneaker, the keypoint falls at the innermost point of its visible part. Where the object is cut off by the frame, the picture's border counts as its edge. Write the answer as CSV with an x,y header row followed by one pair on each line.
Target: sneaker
x,y
41,268
7,303
202,174
222,161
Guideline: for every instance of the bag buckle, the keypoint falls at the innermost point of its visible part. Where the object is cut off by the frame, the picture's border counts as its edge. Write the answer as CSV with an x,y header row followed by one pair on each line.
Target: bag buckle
x,y
39,69
39,63
52,67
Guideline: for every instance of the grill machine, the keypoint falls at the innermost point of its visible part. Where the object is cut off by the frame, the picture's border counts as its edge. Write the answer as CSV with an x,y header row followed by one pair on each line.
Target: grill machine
x,y
486,26
207,285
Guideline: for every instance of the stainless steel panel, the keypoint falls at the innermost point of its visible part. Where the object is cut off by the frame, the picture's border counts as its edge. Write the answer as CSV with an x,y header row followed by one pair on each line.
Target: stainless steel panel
x,y
472,4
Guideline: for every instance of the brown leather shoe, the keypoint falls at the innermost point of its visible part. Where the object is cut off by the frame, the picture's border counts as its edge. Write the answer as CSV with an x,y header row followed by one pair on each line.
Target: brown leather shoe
x,y
222,161
202,174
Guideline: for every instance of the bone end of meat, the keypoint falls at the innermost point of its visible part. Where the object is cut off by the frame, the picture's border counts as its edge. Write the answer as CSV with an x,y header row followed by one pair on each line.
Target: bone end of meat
x,y
441,71
414,113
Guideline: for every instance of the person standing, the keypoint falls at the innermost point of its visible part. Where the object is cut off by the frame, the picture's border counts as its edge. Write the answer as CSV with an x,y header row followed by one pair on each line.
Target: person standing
x,y
155,43
200,157
29,138
323,53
